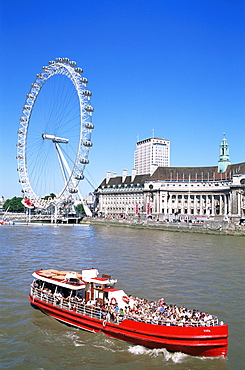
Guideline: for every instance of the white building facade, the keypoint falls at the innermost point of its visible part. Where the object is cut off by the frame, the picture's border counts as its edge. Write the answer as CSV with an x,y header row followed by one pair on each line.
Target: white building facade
x,y
150,154
175,192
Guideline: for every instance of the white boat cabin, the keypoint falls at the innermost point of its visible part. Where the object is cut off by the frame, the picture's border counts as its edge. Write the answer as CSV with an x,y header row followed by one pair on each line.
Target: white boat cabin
x,y
87,286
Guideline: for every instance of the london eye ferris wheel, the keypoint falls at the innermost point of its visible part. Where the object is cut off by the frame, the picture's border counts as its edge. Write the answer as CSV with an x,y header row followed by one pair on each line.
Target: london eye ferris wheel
x,y
54,135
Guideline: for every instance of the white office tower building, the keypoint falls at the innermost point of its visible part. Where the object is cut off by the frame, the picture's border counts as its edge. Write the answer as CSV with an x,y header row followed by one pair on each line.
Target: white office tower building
x,y
150,154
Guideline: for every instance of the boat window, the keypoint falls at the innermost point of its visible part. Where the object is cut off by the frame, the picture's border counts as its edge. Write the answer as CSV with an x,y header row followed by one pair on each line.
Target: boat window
x,y
74,280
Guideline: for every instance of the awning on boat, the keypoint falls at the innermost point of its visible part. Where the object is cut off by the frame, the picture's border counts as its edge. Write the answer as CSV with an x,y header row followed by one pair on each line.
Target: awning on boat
x,y
99,280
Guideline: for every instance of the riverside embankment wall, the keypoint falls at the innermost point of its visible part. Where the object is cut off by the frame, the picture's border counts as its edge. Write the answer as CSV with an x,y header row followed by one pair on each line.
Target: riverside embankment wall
x,y
212,227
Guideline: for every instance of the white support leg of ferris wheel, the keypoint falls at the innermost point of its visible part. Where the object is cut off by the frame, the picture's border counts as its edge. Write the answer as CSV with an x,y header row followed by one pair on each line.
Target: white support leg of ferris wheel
x,y
62,160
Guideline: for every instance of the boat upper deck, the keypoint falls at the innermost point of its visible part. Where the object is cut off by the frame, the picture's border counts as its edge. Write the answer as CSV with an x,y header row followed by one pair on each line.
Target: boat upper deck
x,y
71,279
65,279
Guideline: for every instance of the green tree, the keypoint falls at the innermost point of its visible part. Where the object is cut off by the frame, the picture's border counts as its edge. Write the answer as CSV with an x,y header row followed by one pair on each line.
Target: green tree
x,y
14,205
80,209
51,195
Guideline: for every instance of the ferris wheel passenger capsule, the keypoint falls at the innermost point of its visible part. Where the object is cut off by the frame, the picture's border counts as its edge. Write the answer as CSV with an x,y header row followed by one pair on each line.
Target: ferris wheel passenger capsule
x,y
79,177
59,60
23,119
84,80
34,85
51,62
65,60
87,93
31,96
89,125
84,161
87,143
78,70
26,107
89,108
74,190
72,63
39,75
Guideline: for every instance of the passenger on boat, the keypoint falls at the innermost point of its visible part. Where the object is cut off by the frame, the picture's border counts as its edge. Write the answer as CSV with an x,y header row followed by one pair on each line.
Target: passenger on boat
x,y
35,284
58,296
91,302
47,293
121,312
80,300
207,317
75,299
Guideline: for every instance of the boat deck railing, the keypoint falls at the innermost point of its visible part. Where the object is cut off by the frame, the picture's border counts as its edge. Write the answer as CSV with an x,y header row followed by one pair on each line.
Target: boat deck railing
x,y
102,314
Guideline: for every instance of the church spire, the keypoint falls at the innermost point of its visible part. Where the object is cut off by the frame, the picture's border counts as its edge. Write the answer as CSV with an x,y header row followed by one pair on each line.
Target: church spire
x,y
224,159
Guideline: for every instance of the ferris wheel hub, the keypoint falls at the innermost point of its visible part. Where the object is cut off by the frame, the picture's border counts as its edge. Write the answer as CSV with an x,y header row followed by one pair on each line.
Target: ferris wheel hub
x,y
55,139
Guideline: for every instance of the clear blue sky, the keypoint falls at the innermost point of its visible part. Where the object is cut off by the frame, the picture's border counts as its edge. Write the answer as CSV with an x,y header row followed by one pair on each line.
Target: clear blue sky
x,y
175,66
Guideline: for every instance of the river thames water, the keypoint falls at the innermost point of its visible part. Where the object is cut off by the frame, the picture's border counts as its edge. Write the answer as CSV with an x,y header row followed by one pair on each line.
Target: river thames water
x,y
198,271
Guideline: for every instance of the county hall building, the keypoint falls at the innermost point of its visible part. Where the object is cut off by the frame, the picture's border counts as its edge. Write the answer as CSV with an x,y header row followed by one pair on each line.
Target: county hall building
x,y
156,190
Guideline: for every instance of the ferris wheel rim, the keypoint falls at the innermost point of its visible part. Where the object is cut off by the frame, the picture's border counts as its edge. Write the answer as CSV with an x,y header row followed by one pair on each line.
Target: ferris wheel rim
x,y
61,66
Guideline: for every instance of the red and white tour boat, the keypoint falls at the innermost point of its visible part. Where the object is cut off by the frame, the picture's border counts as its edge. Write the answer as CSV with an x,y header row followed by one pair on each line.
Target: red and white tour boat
x,y
92,303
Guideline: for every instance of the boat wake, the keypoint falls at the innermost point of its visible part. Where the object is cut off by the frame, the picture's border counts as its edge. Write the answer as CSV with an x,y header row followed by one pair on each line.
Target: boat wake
x,y
75,339
176,357
108,345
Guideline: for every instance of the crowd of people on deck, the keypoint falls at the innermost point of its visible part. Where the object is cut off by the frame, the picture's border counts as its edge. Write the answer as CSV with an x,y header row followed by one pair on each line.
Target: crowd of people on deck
x,y
137,309
158,313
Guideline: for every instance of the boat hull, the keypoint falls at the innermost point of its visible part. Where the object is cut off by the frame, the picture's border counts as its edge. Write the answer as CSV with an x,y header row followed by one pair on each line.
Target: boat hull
x,y
198,341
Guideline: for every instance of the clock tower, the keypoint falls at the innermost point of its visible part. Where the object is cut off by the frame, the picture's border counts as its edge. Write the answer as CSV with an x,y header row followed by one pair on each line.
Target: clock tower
x,y
224,159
